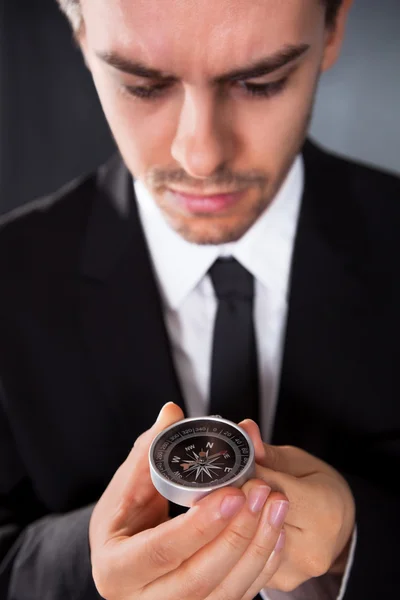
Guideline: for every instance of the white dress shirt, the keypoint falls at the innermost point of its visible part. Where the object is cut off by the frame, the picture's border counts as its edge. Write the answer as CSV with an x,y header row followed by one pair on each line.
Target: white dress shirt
x,y
190,307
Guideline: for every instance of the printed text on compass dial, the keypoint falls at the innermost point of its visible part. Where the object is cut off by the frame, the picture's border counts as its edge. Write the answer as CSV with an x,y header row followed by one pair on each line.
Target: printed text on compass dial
x,y
200,456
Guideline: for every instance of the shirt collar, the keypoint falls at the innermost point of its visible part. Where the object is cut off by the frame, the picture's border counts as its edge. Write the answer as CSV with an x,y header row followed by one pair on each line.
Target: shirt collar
x,y
265,250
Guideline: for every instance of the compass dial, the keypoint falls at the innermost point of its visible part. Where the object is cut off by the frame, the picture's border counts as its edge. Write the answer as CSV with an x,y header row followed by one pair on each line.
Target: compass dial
x,y
201,453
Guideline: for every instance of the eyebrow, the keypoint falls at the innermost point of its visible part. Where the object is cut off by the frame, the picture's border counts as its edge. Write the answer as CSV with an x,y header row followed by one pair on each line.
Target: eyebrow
x,y
264,66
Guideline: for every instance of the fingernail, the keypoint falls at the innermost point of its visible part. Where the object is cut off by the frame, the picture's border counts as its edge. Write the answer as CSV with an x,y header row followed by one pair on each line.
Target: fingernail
x,y
277,514
280,542
257,497
231,505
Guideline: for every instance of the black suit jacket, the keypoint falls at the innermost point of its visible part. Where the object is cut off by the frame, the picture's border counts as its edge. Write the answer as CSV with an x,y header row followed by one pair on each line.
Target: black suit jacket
x,y
85,365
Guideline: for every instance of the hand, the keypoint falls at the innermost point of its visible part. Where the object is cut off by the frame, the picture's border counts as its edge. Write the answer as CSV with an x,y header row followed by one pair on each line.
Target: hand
x,y
321,519
216,550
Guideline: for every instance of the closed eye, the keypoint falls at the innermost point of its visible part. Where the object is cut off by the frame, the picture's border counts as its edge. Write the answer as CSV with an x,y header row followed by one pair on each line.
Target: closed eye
x,y
147,92
265,90
261,90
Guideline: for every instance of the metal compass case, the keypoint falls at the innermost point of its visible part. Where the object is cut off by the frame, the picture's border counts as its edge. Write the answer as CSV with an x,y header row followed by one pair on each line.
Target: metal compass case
x,y
194,457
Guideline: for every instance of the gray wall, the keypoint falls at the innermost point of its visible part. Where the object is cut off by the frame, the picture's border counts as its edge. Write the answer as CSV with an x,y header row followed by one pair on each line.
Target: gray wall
x,y
358,104
52,128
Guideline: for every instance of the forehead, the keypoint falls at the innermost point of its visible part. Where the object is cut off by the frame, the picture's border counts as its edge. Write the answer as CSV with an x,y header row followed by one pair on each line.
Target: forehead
x,y
198,37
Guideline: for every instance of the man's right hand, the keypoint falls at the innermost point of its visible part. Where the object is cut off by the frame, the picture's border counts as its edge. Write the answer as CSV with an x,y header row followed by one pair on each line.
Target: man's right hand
x,y
217,550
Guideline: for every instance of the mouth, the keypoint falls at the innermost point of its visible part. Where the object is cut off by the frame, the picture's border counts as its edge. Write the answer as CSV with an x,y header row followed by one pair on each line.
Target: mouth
x,y
210,203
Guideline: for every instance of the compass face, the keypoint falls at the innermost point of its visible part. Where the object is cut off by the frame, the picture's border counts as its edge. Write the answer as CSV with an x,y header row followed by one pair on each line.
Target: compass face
x,y
202,453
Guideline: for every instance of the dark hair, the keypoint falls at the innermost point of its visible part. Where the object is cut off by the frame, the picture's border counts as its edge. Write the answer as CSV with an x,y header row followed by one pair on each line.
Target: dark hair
x,y
332,8
73,11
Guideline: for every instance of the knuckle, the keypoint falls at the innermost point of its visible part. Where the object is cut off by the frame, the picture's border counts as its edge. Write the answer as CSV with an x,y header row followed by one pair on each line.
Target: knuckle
x,y
194,585
288,583
335,518
317,565
161,555
271,457
139,439
136,499
258,550
331,508
129,503
237,539
200,528
293,451
140,442
225,593
290,449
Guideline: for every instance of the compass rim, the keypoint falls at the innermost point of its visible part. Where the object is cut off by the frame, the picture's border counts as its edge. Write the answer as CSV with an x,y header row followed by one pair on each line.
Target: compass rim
x,y
203,490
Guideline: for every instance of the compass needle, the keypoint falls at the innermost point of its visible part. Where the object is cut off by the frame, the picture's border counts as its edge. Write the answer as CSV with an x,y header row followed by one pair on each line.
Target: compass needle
x,y
212,460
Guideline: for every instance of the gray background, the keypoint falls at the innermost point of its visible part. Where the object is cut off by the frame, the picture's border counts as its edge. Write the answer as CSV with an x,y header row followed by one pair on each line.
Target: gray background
x,y
52,128
358,104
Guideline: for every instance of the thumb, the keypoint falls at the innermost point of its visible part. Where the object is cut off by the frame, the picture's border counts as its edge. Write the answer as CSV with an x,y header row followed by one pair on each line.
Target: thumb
x,y
168,415
132,497
285,459
136,470
253,431
292,461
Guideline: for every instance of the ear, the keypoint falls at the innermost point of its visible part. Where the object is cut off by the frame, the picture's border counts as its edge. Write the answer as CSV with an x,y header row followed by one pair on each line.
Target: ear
x,y
335,35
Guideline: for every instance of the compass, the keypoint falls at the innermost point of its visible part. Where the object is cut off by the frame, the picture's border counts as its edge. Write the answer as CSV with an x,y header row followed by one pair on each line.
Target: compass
x,y
194,457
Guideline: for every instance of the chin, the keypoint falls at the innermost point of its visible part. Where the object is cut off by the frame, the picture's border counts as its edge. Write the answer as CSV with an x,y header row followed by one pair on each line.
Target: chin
x,y
210,232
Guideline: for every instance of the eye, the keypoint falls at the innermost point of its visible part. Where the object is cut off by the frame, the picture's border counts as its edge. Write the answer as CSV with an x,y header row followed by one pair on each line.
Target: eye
x,y
150,92
264,90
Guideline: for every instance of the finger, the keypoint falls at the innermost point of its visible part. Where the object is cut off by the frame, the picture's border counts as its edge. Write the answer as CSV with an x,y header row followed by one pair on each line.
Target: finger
x,y
292,460
285,459
301,560
315,501
153,553
282,482
208,567
300,494
258,554
286,577
270,569
253,430
131,492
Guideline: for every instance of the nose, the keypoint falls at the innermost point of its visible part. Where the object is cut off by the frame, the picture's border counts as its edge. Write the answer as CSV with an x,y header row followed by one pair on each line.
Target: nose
x,y
201,143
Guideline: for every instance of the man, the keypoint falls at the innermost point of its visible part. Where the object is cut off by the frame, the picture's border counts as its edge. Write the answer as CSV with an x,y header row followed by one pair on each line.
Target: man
x,y
111,307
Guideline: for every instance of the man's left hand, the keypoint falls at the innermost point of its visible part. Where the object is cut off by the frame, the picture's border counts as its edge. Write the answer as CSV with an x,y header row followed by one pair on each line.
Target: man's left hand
x,y
321,517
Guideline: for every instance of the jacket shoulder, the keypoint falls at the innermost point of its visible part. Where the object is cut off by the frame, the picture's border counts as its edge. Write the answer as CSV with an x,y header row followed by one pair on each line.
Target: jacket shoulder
x,y
372,186
48,229
365,199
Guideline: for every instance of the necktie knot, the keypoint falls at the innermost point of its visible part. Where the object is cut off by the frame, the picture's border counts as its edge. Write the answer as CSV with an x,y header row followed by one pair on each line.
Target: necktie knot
x,y
230,280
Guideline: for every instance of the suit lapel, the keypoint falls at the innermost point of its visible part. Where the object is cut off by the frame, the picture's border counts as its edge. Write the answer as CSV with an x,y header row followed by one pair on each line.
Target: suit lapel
x,y
122,321
323,355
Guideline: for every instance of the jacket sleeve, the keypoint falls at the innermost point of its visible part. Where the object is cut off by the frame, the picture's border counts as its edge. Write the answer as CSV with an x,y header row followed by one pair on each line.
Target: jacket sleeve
x,y
42,556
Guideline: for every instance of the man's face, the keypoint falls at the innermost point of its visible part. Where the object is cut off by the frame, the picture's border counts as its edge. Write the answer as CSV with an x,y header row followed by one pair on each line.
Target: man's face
x,y
208,100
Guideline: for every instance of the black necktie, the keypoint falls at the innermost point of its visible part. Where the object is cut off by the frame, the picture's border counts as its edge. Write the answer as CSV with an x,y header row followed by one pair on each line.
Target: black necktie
x,y
234,370
234,374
